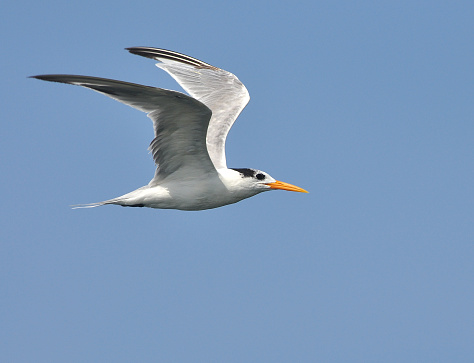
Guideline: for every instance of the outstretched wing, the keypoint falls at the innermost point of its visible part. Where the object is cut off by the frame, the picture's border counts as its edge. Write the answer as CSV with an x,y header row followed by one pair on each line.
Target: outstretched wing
x,y
219,90
180,122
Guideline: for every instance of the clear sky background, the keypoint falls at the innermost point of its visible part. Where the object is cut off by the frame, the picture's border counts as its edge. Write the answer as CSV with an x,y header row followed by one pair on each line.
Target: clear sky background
x,y
369,105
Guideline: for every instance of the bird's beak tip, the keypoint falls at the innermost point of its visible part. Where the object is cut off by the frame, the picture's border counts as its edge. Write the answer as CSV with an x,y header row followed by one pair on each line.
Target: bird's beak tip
x,y
286,186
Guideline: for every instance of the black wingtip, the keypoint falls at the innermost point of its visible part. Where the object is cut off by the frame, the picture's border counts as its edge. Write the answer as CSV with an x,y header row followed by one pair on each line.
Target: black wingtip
x,y
159,54
51,77
141,51
43,77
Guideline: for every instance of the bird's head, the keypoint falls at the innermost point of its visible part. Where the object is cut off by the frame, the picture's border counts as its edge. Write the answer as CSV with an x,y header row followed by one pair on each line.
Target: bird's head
x,y
260,181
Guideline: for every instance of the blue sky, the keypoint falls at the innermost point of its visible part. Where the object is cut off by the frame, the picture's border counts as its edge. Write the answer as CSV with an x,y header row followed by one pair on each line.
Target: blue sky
x,y
367,104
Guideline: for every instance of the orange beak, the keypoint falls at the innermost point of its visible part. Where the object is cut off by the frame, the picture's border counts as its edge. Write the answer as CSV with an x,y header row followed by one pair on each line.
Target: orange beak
x,y
285,186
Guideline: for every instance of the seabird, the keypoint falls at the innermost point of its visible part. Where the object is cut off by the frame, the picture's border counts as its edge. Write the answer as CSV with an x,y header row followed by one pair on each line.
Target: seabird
x,y
190,133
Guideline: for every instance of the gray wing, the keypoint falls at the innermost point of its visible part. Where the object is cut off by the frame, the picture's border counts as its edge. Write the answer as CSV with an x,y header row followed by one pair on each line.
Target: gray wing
x,y
180,122
219,90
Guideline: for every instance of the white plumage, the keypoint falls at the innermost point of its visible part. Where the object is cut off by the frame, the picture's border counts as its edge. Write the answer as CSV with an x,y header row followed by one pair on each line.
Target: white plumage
x,y
190,134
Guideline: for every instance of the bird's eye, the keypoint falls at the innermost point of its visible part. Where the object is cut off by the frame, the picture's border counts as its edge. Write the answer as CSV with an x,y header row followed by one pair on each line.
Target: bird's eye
x,y
260,176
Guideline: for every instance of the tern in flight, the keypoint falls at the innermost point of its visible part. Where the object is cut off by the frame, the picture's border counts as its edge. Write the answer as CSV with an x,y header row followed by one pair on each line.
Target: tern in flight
x,y
190,133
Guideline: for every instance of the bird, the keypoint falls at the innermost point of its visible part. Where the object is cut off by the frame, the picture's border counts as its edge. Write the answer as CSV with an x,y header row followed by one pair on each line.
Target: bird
x,y
190,132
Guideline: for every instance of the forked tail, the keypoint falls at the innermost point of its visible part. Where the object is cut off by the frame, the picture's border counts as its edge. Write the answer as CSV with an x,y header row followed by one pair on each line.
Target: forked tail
x,y
124,201
90,205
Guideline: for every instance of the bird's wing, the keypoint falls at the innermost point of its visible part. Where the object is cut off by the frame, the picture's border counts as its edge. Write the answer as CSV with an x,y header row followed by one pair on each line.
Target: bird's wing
x,y
180,122
219,90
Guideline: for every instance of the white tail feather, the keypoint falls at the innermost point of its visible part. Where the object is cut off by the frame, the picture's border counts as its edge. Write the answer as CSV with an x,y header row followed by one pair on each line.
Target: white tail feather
x,y
89,205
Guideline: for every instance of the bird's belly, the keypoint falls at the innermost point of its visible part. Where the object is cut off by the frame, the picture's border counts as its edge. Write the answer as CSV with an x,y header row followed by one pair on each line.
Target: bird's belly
x,y
203,198
190,196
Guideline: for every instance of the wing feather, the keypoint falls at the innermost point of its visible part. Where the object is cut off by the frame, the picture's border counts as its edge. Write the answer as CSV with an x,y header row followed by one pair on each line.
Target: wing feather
x,y
218,89
180,122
